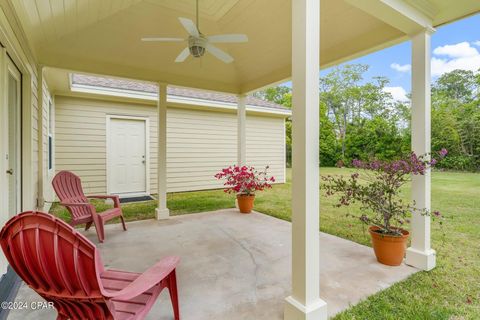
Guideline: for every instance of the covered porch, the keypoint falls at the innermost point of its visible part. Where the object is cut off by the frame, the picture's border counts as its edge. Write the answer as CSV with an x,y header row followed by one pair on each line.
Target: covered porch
x,y
235,266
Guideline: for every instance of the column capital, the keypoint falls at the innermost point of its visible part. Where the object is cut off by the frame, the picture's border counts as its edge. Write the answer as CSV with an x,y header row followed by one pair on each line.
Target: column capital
x,y
428,30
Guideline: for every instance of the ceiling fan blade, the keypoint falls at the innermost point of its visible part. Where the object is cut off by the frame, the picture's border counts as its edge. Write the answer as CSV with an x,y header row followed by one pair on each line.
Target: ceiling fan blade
x,y
190,26
154,39
228,38
219,53
183,55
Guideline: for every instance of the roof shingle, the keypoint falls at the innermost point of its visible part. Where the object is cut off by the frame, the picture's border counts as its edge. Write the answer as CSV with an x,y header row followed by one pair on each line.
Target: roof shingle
x,y
148,87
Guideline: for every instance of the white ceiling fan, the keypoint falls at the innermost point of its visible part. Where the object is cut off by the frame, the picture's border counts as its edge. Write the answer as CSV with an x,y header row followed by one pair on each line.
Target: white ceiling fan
x,y
198,43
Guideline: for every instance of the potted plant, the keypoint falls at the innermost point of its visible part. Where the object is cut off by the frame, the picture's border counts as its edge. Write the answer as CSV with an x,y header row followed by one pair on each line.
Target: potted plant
x,y
377,190
245,181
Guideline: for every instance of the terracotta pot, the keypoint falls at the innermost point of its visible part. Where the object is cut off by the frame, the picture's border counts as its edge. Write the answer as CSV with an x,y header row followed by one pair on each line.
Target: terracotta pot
x,y
245,202
389,250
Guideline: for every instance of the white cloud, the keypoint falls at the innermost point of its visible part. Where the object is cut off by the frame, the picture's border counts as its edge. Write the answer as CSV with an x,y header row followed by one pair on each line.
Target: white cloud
x,y
401,68
398,93
457,56
459,50
476,43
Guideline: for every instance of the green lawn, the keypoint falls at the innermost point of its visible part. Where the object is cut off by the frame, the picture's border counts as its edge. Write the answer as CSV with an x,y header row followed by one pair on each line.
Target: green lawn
x,y
450,291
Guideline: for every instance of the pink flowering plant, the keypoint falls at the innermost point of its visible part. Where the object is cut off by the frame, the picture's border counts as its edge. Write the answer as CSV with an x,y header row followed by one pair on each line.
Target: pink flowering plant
x,y
377,188
245,180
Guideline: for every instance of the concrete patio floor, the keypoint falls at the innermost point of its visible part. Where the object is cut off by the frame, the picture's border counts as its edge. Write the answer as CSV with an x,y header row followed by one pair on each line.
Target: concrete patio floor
x,y
234,266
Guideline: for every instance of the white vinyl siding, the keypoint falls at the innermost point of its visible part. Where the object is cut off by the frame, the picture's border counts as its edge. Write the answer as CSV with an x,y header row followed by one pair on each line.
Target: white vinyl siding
x,y
199,142
80,137
266,145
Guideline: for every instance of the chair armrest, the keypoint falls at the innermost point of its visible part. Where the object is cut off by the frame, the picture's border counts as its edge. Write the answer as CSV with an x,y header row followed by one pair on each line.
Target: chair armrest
x,y
101,196
115,198
75,204
153,276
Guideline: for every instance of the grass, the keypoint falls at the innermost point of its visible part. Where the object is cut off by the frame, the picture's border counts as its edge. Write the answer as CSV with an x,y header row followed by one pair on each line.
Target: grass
x,y
450,291
178,203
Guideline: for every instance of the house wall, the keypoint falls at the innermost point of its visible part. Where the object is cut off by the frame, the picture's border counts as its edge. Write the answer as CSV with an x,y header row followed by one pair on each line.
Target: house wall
x,y
48,124
14,44
199,142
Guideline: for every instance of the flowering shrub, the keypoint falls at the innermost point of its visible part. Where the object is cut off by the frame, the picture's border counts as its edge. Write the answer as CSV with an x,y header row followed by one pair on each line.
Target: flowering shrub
x,y
378,190
245,180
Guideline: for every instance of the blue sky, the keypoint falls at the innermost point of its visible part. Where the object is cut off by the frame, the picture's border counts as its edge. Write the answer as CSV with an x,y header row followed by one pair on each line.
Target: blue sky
x,y
454,46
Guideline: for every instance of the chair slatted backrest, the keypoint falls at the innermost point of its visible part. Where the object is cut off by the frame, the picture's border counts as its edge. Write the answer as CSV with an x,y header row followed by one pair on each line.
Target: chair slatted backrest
x,y
68,188
57,262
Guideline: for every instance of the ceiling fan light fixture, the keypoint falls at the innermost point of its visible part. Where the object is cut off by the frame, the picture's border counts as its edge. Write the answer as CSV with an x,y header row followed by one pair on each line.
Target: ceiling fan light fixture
x,y
197,46
198,43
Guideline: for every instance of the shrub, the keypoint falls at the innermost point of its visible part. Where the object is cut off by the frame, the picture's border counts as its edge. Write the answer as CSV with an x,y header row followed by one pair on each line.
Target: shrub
x,y
379,191
245,179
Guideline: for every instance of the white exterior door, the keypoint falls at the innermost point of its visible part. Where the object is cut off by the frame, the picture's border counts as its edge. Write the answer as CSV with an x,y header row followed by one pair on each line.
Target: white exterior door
x,y
10,142
127,156
13,147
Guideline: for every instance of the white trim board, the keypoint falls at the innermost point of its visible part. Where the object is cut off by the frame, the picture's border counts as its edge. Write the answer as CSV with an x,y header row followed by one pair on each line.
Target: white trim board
x,y
147,96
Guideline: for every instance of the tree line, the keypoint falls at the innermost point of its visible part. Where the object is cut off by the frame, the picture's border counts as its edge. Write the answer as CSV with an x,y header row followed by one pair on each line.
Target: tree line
x,y
360,120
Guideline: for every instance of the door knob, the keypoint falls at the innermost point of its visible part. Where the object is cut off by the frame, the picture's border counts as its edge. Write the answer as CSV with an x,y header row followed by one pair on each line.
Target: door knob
x,y
10,171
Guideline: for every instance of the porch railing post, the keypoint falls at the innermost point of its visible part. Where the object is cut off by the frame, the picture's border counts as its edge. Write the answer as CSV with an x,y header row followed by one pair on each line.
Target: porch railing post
x,y
420,254
241,130
162,211
305,302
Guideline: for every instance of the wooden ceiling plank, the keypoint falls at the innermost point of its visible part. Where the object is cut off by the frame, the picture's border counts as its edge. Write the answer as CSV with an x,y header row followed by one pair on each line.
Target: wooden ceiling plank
x,y
45,13
58,16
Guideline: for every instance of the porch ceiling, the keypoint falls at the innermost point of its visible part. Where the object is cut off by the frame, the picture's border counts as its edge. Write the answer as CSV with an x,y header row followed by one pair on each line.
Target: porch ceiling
x,y
104,37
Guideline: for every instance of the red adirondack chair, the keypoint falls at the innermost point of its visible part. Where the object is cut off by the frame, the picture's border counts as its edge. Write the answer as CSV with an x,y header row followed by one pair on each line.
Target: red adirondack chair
x,y
65,268
68,188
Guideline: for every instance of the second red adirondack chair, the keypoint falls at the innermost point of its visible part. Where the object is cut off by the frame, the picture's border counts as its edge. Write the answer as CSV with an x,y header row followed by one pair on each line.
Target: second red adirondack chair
x,y
68,188
65,268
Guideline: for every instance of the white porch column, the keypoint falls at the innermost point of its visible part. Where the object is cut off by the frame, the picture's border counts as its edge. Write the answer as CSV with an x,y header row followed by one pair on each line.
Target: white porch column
x,y
304,302
420,254
162,211
241,130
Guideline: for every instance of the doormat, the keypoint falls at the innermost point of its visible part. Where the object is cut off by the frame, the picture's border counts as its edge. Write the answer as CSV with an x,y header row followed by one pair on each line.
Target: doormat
x,y
135,199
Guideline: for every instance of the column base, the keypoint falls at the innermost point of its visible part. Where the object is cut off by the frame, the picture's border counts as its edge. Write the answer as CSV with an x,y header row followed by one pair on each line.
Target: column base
x,y
424,260
161,214
295,310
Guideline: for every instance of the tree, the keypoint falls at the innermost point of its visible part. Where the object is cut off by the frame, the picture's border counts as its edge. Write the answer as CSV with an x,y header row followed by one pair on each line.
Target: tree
x,y
456,118
281,95
328,141
375,138
350,101
339,90
358,119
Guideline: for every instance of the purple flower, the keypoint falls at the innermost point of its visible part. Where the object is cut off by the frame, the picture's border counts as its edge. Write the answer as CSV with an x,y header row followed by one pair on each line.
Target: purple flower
x,y
357,163
379,192
443,152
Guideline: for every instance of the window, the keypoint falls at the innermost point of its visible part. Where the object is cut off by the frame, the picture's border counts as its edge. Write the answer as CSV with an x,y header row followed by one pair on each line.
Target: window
x,y
50,134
